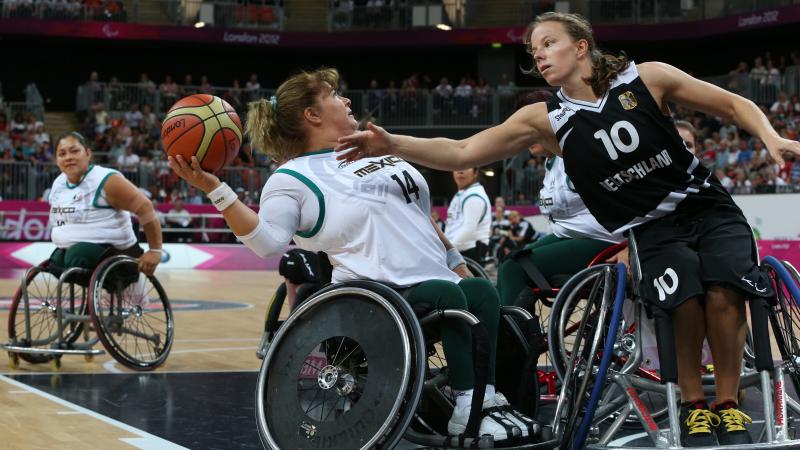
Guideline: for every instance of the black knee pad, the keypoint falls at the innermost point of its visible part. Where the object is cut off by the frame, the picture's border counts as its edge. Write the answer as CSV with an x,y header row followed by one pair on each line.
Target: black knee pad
x,y
300,266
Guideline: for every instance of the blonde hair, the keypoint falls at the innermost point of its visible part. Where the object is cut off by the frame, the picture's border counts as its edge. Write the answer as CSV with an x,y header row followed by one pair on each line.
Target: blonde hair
x,y
605,66
275,126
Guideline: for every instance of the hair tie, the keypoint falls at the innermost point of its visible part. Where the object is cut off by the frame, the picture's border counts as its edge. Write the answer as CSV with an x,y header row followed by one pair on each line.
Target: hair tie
x,y
274,101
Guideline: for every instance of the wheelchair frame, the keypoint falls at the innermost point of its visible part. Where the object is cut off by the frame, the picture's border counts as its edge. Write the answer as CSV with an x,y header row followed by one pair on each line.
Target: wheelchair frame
x,y
101,307
602,405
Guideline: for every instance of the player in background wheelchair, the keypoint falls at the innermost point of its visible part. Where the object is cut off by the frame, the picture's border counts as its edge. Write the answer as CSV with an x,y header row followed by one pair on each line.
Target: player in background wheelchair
x,y
372,219
90,212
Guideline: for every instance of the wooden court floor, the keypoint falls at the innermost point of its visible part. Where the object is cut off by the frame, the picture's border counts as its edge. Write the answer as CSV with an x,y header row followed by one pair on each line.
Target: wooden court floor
x,y
222,340
212,348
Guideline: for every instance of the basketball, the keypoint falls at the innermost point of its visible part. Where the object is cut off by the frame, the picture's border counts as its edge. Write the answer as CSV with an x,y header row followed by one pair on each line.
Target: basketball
x,y
205,126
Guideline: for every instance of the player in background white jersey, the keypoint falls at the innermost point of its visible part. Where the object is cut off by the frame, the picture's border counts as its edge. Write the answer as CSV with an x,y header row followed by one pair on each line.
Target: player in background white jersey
x,y
90,210
372,218
469,215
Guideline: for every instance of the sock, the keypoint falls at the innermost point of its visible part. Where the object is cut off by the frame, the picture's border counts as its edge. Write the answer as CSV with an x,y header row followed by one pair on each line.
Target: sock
x,y
463,398
489,392
696,404
726,404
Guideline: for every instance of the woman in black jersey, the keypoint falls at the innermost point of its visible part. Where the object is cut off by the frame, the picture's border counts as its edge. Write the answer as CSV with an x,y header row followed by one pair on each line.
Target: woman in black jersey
x,y
611,123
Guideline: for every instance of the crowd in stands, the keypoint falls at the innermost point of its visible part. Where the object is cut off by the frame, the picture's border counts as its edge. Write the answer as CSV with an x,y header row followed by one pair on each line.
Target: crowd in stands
x,y
108,10
124,124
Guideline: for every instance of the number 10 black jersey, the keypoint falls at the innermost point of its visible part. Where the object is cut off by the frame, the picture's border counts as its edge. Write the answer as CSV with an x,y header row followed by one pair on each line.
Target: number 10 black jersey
x,y
625,157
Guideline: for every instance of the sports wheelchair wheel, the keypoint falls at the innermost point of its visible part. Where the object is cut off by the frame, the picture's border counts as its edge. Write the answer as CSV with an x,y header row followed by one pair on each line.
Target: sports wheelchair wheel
x,y
589,352
345,371
131,314
41,288
784,315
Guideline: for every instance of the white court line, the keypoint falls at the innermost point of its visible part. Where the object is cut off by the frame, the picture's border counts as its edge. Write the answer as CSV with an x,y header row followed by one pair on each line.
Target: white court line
x,y
18,392
111,365
217,340
145,441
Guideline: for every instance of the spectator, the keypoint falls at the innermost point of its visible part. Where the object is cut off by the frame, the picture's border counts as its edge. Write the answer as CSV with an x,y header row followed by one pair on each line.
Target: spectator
x,y
758,74
506,87
179,217
443,93
520,234
781,102
147,89
252,88
205,86
193,197
128,163
133,117
169,92
150,124
725,180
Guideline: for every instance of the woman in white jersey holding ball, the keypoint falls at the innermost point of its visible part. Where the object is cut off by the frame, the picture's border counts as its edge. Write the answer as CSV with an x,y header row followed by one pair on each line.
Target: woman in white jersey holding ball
x,y
371,217
90,212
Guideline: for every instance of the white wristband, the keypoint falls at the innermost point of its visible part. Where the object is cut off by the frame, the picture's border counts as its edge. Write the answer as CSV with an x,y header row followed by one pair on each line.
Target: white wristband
x,y
454,258
222,197
155,250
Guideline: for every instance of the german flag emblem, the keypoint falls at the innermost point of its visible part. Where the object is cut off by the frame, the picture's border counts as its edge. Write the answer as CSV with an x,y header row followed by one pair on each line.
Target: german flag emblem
x,y
628,100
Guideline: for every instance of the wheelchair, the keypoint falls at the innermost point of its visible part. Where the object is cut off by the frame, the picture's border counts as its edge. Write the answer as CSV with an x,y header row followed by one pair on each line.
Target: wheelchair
x,y
598,357
355,366
539,301
54,312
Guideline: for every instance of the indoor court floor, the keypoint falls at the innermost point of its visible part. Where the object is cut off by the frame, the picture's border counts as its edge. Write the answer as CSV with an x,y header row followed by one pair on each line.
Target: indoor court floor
x,y
201,398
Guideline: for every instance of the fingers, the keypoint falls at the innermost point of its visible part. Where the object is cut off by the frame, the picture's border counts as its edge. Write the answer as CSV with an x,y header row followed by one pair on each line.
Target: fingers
x,y
146,268
778,157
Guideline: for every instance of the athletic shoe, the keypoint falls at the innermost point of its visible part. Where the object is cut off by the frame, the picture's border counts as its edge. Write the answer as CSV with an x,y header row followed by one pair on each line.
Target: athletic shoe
x,y
528,426
732,430
494,423
697,425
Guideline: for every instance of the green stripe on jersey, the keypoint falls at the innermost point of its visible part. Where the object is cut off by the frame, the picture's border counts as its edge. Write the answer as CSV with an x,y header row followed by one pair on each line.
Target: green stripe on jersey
x,y
99,190
320,198
485,205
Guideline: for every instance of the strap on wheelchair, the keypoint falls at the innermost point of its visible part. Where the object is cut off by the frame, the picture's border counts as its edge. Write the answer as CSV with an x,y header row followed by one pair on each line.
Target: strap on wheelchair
x,y
537,345
480,361
533,272
759,314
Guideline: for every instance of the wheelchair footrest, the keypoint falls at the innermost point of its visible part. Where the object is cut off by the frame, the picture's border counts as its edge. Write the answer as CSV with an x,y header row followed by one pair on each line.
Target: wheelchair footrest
x,y
49,351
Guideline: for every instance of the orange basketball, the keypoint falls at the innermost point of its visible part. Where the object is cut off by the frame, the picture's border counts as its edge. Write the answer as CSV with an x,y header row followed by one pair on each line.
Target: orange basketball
x,y
205,126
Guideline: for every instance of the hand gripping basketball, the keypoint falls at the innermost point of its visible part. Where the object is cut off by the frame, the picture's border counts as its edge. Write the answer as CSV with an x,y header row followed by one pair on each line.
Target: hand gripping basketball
x,y
193,173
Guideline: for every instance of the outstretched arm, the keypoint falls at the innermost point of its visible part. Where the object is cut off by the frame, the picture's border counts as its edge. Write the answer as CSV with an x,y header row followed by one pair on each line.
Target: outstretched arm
x,y
528,125
122,194
670,84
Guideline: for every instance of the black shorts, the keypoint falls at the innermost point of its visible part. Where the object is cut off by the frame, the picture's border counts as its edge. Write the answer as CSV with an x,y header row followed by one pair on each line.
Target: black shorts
x,y
683,254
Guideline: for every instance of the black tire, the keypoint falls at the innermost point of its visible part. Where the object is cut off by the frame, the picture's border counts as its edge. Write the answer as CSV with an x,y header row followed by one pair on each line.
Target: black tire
x,y
131,314
374,388
42,296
